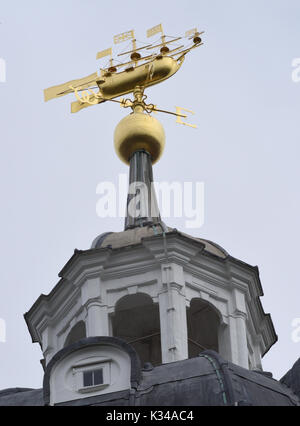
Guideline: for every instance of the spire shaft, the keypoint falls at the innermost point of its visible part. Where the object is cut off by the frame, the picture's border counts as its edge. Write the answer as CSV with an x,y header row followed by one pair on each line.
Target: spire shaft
x,y
142,208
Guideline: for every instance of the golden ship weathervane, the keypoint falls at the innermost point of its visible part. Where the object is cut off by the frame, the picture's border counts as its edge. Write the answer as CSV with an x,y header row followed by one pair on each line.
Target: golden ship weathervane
x,y
119,79
140,130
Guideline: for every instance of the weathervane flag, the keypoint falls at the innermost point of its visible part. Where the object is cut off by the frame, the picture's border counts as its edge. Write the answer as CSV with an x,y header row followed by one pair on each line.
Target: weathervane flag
x,y
155,30
128,35
191,32
103,53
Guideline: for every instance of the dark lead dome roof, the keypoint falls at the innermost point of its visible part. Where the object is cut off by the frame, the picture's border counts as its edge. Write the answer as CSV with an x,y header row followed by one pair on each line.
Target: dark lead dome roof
x,y
135,236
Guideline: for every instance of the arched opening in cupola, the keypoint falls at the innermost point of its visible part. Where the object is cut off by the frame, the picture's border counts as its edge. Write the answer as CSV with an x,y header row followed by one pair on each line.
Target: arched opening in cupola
x,y
203,323
78,332
136,320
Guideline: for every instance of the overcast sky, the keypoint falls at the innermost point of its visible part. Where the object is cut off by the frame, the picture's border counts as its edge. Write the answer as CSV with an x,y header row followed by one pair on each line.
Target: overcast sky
x,y
245,150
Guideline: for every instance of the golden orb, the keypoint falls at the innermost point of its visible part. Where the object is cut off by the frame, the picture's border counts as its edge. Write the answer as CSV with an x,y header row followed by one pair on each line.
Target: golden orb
x,y
139,131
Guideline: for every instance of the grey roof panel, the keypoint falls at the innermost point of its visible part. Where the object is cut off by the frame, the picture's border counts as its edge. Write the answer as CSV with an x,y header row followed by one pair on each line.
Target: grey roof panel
x,y
32,397
206,380
292,378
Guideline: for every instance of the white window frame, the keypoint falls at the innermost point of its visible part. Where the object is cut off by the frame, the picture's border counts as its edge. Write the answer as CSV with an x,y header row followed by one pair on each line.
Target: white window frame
x,y
79,369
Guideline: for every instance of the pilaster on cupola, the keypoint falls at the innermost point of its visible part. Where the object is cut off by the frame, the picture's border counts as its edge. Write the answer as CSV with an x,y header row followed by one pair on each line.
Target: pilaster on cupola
x,y
172,304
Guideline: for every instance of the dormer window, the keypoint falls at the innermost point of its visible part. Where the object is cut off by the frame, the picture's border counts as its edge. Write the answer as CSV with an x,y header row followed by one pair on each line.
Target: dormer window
x,y
93,378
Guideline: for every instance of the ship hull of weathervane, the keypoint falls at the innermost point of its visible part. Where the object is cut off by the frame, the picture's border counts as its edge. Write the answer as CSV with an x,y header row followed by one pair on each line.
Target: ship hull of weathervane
x,y
144,75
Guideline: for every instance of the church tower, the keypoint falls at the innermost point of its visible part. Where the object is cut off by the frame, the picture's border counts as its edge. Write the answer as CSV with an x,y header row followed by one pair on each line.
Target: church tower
x,y
151,315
